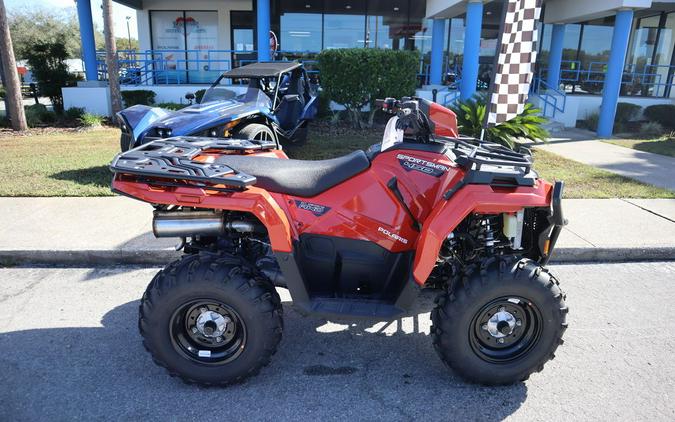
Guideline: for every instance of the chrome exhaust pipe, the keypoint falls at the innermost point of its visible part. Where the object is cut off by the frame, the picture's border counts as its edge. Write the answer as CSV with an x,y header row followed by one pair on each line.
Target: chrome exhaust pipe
x,y
199,223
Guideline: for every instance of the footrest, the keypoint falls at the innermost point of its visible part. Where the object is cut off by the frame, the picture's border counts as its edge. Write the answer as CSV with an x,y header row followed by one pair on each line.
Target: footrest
x,y
355,308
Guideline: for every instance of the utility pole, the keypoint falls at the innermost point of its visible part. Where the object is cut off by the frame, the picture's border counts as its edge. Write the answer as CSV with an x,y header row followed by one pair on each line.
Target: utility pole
x,y
11,76
128,33
111,57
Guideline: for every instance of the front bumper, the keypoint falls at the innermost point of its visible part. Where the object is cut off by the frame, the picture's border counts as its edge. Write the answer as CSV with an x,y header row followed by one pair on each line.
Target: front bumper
x,y
549,237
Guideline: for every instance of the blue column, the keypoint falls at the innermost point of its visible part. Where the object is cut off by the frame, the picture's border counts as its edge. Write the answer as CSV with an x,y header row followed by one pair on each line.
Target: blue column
x,y
87,39
472,28
437,38
617,58
555,55
263,21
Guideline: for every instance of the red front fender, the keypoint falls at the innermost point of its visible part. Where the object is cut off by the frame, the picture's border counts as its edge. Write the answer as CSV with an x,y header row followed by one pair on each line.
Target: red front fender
x,y
482,199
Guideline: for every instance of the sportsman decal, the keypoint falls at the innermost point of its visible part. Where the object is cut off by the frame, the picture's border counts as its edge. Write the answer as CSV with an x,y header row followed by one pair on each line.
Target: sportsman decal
x,y
417,164
316,209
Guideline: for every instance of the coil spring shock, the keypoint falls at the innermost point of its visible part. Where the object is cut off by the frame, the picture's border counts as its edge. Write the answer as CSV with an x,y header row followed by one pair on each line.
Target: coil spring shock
x,y
486,231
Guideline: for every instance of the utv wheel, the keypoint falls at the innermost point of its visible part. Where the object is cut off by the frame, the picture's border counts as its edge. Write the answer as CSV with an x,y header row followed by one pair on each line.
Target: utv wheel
x,y
209,320
256,131
502,322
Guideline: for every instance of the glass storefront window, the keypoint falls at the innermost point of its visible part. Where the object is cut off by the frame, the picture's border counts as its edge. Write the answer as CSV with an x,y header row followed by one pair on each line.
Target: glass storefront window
x,y
301,22
344,24
387,24
596,42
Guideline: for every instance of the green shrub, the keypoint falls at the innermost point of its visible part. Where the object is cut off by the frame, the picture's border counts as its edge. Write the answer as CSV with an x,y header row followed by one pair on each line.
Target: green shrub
x,y
356,77
138,96
625,113
171,106
324,105
199,94
652,129
74,113
527,125
591,122
91,120
47,61
38,114
662,114
2,92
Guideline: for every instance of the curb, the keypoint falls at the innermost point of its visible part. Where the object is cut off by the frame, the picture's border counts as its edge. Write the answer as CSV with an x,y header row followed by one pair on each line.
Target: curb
x,y
161,257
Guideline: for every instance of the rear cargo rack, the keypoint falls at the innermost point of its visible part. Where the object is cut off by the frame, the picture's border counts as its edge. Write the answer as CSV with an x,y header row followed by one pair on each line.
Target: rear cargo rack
x,y
173,159
489,163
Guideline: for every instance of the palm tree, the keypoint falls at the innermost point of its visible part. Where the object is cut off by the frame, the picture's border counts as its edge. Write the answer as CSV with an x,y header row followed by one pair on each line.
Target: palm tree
x,y
10,75
111,56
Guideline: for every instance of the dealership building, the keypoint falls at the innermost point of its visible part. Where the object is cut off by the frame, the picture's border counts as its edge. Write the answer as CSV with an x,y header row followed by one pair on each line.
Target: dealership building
x,y
591,54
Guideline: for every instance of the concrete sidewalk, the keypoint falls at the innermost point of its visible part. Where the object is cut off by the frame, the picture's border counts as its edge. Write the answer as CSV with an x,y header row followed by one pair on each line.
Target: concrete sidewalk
x,y
581,146
95,231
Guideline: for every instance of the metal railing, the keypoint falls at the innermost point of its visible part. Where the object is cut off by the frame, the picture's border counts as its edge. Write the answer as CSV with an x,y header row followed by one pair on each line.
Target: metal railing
x,y
649,80
151,67
553,100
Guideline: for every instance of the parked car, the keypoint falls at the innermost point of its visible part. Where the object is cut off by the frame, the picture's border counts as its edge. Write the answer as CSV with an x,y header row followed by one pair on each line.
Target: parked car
x,y
276,105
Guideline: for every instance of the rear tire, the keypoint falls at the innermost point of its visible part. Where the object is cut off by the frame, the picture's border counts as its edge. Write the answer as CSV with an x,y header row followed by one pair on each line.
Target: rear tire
x,y
256,131
209,320
501,323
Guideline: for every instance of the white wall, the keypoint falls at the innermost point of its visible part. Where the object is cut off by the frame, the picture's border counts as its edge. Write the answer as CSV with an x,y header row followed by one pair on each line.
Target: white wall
x,y
578,107
96,100
223,7
445,8
572,11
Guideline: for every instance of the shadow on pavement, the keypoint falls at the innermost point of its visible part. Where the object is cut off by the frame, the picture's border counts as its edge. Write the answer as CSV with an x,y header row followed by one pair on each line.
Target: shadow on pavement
x,y
321,371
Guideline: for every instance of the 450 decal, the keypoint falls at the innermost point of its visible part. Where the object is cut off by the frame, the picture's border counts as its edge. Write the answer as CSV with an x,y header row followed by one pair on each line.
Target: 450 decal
x,y
423,166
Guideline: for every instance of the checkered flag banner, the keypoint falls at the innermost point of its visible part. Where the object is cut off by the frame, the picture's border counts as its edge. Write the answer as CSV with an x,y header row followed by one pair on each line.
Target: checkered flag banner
x,y
515,61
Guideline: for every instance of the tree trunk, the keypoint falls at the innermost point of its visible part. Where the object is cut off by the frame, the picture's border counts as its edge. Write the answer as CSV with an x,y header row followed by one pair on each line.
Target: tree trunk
x,y
111,57
13,96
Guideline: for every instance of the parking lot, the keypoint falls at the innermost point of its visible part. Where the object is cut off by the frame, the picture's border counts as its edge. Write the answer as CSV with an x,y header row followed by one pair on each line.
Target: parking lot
x,y
70,349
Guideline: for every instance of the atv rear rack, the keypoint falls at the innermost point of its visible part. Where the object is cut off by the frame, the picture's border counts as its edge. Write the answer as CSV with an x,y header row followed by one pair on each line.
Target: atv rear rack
x,y
173,158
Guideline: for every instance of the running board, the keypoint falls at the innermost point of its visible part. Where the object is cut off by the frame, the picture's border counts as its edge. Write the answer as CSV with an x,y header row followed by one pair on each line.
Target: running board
x,y
354,308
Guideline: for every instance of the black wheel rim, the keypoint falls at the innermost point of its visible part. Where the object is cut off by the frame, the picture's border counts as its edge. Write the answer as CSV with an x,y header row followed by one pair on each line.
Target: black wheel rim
x,y
496,338
205,343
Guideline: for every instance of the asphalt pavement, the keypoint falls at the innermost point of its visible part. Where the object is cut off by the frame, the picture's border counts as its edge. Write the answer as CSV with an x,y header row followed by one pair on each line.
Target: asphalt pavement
x,y
69,349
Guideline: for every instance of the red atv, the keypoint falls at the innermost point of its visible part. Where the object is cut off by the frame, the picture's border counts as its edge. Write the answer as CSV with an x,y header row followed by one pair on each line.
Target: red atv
x,y
354,236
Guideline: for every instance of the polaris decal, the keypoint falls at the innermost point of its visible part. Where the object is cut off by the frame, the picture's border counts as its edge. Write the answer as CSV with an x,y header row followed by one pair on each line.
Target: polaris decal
x,y
417,164
393,235
316,209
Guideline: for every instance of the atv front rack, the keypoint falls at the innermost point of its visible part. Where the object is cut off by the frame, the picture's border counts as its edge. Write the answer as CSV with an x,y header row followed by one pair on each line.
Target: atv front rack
x,y
489,163
472,154
173,158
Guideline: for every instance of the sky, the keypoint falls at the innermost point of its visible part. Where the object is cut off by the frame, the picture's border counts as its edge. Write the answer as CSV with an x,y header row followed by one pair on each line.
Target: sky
x,y
119,13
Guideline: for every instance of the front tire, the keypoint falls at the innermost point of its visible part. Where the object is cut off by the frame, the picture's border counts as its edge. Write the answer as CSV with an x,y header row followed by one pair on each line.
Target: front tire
x,y
209,320
256,131
501,323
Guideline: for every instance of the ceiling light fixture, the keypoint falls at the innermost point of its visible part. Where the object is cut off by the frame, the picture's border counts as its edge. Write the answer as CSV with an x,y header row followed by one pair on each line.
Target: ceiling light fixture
x,y
396,9
348,7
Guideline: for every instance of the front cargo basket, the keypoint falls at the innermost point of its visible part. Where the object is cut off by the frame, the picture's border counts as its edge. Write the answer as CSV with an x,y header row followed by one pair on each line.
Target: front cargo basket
x,y
173,158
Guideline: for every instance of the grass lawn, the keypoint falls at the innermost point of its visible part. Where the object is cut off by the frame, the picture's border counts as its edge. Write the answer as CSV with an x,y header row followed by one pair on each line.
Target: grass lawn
x,y
76,164
663,146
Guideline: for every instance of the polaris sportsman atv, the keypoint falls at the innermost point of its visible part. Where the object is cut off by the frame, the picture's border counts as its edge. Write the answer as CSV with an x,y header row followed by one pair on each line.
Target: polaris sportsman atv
x,y
277,103
354,236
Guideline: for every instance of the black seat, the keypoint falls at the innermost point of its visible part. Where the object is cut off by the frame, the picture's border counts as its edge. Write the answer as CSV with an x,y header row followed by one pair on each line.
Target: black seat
x,y
298,177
